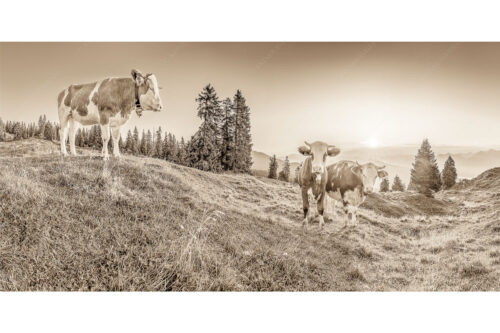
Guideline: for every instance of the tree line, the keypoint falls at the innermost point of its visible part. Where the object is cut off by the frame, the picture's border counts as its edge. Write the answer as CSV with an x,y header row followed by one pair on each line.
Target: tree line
x,y
223,142
284,174
425,175
18,130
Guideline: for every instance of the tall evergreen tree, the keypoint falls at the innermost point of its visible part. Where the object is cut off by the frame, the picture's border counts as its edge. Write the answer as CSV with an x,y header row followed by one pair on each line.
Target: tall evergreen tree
x,y
42,120
425,176
397,185
449,174
181,152
48,131
149,143
137,143
284,174
143,145
204,147
228,143
129,142
273,167
384,185
158,150
242,135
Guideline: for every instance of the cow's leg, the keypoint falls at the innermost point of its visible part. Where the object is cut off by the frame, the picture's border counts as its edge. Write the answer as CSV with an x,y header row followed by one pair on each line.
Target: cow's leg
x,y
72,133
305,205
105,140
321,209
63,132
347,212
115,132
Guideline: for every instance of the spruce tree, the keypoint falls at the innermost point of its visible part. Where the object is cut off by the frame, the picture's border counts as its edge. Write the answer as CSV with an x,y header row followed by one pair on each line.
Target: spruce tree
x,y
397,185
129,142
149,143
425,176
242,135
273,167
42,120
284,174
158,150
228,123
143,145
449,174
204,148
384,185
181,152
136,148
48,132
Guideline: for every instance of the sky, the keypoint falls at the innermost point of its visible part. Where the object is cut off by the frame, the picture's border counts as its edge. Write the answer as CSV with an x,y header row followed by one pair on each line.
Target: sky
x,y
346,94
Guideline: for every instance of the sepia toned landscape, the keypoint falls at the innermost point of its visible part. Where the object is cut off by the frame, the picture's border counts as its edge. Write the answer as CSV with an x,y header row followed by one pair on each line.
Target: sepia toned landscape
x,y
258,167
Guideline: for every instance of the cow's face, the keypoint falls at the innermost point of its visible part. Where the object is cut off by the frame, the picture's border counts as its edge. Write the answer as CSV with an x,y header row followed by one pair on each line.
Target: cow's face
x,y
148,91
318,151
369,173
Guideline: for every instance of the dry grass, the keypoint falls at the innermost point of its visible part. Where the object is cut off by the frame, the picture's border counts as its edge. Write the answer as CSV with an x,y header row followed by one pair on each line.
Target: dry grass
x,y
143,224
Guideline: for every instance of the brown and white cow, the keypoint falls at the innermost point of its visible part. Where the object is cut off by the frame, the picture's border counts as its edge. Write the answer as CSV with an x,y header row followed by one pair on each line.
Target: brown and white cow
x,y
313,175
349,182
108,103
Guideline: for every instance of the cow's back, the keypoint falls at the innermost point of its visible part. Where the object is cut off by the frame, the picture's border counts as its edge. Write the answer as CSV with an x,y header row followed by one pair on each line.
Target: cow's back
x,y
342,178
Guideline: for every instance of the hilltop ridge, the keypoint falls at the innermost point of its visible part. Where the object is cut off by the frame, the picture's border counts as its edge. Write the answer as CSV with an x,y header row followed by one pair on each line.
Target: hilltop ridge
x,y
80,223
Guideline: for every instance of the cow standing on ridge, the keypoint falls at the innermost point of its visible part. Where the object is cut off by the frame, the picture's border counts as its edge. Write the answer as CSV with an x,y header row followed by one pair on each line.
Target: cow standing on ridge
x,y
108,103
313,175
349,182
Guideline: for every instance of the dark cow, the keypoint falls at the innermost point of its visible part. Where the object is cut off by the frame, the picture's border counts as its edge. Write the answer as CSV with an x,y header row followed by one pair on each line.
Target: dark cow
x,y
349,182
313,175
108,103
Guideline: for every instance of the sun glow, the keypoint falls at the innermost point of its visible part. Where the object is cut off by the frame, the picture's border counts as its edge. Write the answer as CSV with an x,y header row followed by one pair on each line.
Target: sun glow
x,y
372,142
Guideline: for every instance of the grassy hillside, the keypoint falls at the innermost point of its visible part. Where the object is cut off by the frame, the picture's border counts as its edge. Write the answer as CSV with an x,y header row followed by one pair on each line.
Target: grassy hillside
x,y
143,224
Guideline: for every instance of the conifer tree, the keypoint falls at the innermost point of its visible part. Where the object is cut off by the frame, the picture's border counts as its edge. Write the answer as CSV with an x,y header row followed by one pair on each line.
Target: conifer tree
x,y
273,167
129,142
242,134
121,143
42,120
181,152
449,174
228,124
158,150
397,185
204,148
48,131
284,174
425,176
143,144
136,147
149,143
384,185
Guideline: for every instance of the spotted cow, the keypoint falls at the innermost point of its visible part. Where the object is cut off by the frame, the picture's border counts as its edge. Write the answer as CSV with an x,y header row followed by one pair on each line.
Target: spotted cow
x,y
313,175
108,103
349,182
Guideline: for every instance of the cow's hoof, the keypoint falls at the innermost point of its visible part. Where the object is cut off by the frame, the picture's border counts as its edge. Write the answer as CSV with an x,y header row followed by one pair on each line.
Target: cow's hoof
x,y
105,158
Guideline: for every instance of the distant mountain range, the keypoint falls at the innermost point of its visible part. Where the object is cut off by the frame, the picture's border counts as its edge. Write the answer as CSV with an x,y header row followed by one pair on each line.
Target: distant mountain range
x,y
470,161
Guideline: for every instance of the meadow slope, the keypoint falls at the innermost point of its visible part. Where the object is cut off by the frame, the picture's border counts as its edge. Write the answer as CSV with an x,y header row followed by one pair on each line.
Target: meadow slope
x,y
79,223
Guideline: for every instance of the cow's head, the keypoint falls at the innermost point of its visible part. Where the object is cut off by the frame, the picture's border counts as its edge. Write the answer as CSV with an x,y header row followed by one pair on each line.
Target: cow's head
x,y
148,91
369,173
318,151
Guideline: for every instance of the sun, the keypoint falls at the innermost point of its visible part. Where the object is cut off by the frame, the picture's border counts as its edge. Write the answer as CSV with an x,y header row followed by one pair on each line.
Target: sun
x,y
372,142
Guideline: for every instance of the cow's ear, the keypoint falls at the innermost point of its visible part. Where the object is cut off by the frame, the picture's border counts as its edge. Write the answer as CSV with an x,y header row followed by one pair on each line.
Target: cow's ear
x,y
306,151
138,77
382,174
333,151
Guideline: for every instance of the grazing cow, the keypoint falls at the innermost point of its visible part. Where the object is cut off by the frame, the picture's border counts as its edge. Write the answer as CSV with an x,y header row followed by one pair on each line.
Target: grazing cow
x,y
313,175
108,103
349,182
